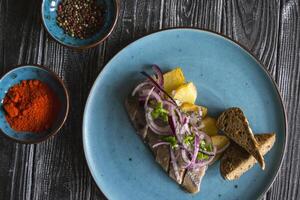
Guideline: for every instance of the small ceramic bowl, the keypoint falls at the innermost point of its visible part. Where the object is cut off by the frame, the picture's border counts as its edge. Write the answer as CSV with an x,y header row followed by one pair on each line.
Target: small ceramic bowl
x,y
49,14
29,72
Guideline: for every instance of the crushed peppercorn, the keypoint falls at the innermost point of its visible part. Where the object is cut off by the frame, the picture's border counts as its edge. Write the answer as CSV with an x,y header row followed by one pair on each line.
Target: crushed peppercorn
x,y
80,18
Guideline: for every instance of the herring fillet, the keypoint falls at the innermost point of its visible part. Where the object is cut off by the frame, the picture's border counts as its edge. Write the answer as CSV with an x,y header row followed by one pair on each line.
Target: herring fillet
x,y
192,179
189,179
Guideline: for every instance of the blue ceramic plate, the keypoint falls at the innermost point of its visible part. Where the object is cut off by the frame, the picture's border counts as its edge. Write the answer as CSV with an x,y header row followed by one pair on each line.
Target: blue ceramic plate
x,y
49,14
225,75
30,72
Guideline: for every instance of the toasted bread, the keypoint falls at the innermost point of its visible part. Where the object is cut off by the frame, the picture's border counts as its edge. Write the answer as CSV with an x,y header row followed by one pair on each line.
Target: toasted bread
x,y
236,161
235,125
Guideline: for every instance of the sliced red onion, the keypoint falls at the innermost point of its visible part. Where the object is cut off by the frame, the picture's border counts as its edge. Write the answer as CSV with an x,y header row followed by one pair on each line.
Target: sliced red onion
x,y
212,157
159,144
147,99
169,105
223,148
145,93
185,157
206,137
154,127
186,119
176,127
194,119
179,115
187,129
199,133
195,153
172,122
159,74
207,152
158,86
183,129
139,87
202,163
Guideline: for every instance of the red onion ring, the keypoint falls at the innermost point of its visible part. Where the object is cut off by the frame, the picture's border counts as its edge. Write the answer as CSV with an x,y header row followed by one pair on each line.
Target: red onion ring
x,y
159,74
159,144
147,99
154,127
223,148
195,153
158,86
147,92
139,87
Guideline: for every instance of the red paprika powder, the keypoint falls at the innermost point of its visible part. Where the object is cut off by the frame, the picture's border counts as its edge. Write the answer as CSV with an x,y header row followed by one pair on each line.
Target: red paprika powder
x,y
31,106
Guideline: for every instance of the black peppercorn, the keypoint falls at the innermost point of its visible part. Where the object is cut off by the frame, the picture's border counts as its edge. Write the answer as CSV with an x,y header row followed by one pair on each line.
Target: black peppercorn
x,y
80,18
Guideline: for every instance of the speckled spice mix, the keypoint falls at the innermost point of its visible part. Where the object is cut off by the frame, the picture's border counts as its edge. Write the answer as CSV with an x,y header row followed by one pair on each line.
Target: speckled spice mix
x,y
80,18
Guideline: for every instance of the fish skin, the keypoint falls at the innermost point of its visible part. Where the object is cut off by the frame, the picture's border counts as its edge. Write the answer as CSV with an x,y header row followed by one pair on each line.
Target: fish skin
x,y
163,157
192,179
181,169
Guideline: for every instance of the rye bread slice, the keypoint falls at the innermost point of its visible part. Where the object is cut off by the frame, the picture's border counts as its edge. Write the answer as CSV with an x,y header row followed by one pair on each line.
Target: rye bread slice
x,y
236,161
235,125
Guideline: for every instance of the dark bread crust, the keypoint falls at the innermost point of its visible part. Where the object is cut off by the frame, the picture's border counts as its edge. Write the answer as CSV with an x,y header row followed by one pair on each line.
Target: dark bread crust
x,y
235,125
236,161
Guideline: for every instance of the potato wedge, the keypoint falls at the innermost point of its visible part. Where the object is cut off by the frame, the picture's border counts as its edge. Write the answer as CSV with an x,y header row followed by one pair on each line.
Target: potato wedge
x,y
185,93
188,107
173,79
210,127
220,141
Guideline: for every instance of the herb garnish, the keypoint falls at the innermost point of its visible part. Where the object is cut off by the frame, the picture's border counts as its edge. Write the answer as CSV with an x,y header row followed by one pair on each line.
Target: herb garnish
x,y
171,139
189,139
160,112
205,147
202,156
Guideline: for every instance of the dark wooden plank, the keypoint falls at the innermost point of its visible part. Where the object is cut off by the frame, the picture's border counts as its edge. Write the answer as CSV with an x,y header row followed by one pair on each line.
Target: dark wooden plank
x,y
202,14
287,183
56,169
19,157
255,25
6,150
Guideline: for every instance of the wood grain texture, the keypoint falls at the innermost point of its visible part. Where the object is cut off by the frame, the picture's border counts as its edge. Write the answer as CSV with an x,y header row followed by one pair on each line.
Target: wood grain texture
x,y
287,183
184,13
255,25
56,169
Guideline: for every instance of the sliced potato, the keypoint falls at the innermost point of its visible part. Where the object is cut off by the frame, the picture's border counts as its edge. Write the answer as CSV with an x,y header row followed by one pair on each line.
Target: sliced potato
x,y
188,107
210,126
173,79
220,141
186,93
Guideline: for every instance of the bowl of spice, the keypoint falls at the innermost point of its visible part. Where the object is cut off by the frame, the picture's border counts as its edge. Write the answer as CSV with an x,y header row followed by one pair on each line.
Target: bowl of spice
x,y
80,24
34,104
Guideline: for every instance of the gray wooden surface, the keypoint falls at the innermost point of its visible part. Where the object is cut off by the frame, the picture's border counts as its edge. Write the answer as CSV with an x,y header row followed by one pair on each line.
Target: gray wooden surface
x,y
56,169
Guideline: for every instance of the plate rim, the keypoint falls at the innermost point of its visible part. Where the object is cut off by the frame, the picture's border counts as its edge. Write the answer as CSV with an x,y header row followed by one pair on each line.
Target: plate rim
x,y
236,43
